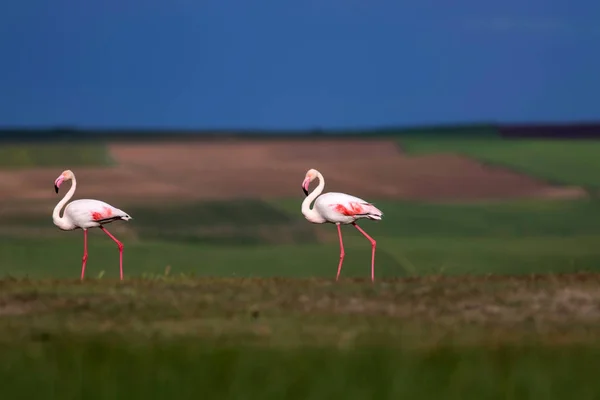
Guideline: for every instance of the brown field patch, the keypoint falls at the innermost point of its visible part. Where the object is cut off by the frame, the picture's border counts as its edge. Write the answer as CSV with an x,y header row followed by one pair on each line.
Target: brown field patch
x,y
275,168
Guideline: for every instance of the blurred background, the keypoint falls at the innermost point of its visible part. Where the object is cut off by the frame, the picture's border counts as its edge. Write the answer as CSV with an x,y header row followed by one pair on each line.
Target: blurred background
x,y
472,127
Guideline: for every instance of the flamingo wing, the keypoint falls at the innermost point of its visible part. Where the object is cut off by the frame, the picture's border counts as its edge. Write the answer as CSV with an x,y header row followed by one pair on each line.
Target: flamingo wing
x,y
89,213
350,206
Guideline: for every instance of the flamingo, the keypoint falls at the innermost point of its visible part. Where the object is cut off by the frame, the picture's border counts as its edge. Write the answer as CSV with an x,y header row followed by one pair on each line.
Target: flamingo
x,y
84,214
338,208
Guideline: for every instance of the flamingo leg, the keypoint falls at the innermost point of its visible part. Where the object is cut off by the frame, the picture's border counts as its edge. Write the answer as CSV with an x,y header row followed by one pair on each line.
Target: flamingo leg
x,y
85,253
339,228
120,249
373,245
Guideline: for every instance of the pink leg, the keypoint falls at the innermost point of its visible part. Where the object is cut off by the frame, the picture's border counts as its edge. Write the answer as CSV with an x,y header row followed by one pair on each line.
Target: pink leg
x,y
373,245
120,250
85,254
341,251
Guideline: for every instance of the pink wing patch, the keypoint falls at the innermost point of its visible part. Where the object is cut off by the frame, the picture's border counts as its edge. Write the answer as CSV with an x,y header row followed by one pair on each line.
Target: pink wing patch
x,y
351,209
104,214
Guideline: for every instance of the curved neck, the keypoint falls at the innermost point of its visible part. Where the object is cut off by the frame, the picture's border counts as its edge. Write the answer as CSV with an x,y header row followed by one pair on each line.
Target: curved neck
x,y
59,221
311,214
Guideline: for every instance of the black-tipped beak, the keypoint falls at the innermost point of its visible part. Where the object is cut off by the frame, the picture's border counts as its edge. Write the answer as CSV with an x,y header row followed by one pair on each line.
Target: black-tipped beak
x,y
303,189
56,188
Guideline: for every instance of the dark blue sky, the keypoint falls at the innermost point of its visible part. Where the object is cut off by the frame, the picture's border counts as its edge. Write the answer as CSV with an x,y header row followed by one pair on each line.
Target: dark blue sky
x,y
297,64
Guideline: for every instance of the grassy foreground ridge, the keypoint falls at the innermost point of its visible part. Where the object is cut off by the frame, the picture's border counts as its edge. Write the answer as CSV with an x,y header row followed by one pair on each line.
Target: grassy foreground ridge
x,y
530,337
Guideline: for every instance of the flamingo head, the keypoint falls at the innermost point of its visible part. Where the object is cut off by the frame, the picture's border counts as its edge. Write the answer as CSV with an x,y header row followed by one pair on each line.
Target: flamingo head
x,y
311,174
65,176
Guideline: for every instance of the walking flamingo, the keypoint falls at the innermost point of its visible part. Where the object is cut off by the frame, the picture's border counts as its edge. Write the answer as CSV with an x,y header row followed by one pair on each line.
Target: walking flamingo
x,y
84,214
338,208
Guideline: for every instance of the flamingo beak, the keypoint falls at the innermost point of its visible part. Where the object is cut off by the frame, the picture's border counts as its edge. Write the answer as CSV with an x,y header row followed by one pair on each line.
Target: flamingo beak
x,y
58,182
305,186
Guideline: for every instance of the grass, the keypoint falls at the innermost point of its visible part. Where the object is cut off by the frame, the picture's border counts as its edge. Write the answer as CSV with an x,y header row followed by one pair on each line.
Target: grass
x,y
426,338
223,320
190,369
556,161
216,316
246,212
413,239
61,258
509,219
235,222
62,155
519,218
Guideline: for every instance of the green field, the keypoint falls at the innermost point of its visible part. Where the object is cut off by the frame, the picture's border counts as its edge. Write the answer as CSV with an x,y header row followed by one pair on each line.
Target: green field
x,y
253,238
65,155
236,299
556,161
270,339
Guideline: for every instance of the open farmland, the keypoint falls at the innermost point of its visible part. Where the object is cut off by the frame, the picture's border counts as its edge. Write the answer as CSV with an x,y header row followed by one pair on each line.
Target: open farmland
x,y
19,156
559,162
232,208
271,169
486,278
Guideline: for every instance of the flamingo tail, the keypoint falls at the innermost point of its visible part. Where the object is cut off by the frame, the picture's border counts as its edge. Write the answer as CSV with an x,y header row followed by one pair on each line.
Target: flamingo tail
x,y
372,212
